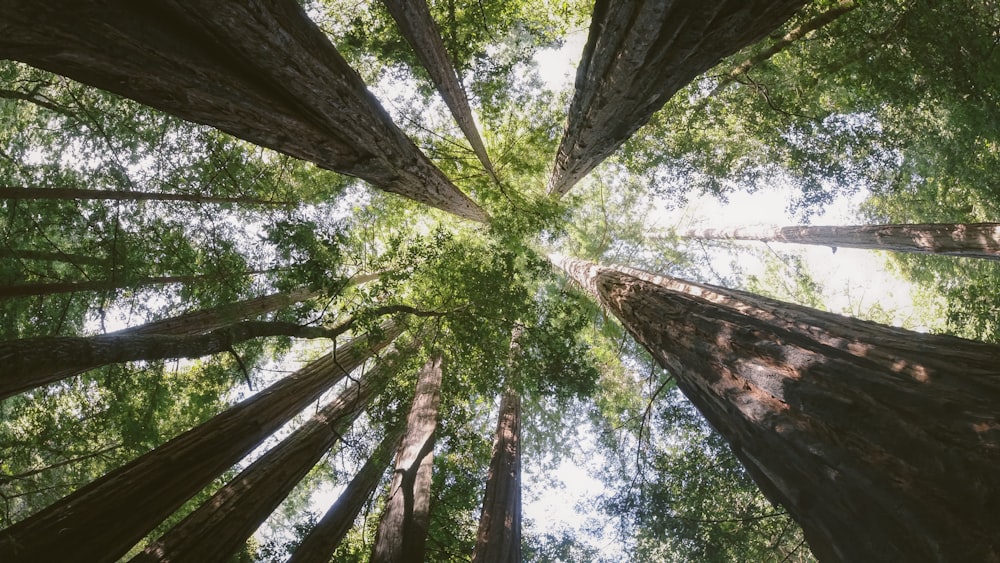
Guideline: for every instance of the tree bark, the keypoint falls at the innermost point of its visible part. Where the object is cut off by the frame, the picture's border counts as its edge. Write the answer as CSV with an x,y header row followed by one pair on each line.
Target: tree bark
x,y
499,536
17,193
260,70
53,288
881,442
402,530
319,545
640,53
218,528
104,519
50,256
973,240
417,25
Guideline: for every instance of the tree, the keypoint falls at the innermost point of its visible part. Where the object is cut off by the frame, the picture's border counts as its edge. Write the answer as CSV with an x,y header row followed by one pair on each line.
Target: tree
x,y
12,193
499,537
787,386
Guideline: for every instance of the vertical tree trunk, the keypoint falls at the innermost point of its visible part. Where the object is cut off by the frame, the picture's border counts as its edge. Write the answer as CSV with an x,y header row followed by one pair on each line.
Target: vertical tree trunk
x,y
402,530
104,519
499,536
417,25
7,192
219,527
319,545
260,70
640,53
973,240
881,442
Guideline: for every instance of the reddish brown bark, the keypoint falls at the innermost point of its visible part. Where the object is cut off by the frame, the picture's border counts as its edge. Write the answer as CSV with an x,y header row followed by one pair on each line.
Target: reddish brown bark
x,y
499,536
260,70
402,530
80,193
974,240
639,54
881,442
104,519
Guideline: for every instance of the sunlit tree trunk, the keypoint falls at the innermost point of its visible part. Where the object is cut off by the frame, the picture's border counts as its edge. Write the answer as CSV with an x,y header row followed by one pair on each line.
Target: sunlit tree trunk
x,y
974,240
417,25
217,529
15,193
881,442
104,519
402,530
640,53
499,537
320,543
260,70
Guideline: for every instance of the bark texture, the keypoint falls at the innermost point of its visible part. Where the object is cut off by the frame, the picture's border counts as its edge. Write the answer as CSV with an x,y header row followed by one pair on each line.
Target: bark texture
x,y
217,529
499,536
260,70
881,442
417,25
319,545
640,53
974,240
104,519
402,530
110,195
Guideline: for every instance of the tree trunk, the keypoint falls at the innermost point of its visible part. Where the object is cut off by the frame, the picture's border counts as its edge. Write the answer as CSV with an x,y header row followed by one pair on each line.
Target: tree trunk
x,y
115,195
639,54
319,545
417,25
52,288
974,240
499,537
222,525
50,256
882,443
104,519
261,71
402,530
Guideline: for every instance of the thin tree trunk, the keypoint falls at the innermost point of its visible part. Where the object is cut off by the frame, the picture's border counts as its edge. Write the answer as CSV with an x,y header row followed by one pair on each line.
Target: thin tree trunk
x,y
260,70
499,536
639,54
973,240
218,528
53,288
104,519
418,27
49,256
320,543
402,530
881,442
11,193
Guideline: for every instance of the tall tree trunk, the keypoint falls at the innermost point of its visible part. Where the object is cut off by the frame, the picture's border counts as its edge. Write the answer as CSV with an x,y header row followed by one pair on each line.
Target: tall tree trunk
x,y
7,192
974,240
104,519
51,288
218,528
881,442
499,537
639,54
50,256
417,25
260,70
320,543
402,530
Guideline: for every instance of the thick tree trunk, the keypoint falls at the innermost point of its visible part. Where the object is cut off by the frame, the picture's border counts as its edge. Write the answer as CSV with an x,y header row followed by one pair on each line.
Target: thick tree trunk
x,y
111,195
218,528
319,545
260,70
639,54
881,442
104,519
418,27
499,537
402,530
974,240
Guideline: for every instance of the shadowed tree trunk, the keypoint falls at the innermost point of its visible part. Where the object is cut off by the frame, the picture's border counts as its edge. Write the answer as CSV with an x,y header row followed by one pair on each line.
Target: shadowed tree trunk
x,y
417,25
318,546
260,70
973,240
499,536
52,288
217,529
640,53
80,193
881,442
104,519
50,256
402,530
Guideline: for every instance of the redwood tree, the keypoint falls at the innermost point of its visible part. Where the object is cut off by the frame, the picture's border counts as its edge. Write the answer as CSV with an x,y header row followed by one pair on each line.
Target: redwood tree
x,y
881,442
499,537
